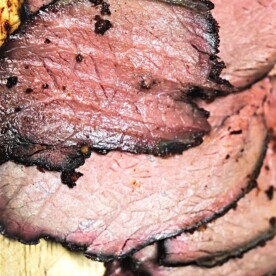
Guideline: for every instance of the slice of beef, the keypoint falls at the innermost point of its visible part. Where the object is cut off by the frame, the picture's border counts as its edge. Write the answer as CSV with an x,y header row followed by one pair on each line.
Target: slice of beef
x,y
247,34
252,222
243,228
73,77
126,201
258,262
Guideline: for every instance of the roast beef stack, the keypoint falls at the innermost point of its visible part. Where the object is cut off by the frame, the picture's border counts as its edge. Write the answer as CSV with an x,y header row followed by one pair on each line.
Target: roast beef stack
x,y
143,133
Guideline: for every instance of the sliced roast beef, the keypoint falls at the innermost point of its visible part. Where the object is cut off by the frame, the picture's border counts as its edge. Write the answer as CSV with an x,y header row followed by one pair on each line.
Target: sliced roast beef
x,y
247,34
74,79
258,262
125,201
252,222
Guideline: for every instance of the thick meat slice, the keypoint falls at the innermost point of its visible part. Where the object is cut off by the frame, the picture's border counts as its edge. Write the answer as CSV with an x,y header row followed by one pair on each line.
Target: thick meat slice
x,y
74,77
251,223
125,201
247,35
248,225
258,262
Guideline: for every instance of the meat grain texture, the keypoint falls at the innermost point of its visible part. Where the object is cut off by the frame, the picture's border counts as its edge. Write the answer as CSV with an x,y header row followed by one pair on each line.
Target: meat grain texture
x,y
249,225
247,39
246,227
125,188
109,93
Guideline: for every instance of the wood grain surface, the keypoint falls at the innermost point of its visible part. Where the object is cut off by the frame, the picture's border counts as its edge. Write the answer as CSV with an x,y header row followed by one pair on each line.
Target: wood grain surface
x,y
44,259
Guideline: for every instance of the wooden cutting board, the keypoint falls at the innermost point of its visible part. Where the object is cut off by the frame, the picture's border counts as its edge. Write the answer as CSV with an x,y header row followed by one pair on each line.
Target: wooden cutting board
x,y
44,259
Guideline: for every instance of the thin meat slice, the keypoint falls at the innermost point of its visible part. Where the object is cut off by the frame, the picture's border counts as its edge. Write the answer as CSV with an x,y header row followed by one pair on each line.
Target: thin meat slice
x,y
125,201
258,262
252,222
117,79
247,35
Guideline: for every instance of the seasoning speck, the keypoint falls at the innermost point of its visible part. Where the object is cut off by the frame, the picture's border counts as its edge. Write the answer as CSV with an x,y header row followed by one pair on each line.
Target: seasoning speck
x,y
17,109
270,192
101,25
45,86
85,149
79,58
28,90
47,41
105,9
236,132
11,81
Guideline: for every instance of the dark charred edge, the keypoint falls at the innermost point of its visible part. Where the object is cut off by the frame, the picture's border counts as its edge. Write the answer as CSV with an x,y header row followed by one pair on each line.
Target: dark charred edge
x,y
256,80
170,148
204,7
197,5
217,64
24,152
109,257
135,267
27,152
72,160
219,258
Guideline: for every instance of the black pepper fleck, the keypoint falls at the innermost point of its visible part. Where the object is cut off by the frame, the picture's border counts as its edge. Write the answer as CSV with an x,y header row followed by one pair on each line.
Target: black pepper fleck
x,y
18,109
236,132
105,9
70,178
28,90
4,129
79,58
270,192
101,25
11,81
47,41
45,86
